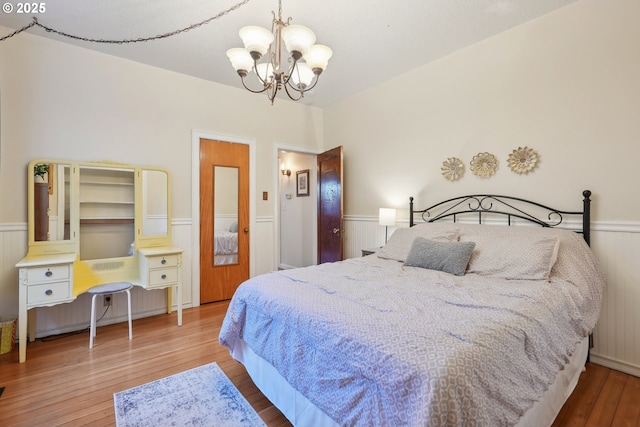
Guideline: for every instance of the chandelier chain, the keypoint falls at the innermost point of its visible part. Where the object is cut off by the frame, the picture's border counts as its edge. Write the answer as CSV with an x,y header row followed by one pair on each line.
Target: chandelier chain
x,y
36,23
18,31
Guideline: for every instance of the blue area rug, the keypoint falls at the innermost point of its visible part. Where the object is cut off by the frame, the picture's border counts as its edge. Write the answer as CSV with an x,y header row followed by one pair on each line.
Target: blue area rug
x,y
199,397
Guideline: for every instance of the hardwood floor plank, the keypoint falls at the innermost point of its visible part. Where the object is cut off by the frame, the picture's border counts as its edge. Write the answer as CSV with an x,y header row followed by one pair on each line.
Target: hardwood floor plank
x,y
605,407
64,383
577,409
628,413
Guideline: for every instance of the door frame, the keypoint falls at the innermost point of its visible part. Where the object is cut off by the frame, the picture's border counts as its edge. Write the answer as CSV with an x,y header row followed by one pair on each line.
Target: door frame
x,y
277,147
196,135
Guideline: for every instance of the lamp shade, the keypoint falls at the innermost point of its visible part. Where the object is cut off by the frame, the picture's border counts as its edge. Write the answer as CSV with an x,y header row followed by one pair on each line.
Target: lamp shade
x,y
265,71
317,57
387,216
298,38
302,75
256,39
240,59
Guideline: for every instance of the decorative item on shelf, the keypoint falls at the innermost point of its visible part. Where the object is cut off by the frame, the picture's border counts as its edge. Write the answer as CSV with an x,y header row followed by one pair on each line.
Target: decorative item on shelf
x,y
297,74
41,175
484,165
285,171
40,171
452,168
523,160
302,183
386,217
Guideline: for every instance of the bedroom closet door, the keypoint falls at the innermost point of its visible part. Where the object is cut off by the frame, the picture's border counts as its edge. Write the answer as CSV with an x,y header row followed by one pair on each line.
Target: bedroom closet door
x,y
224,218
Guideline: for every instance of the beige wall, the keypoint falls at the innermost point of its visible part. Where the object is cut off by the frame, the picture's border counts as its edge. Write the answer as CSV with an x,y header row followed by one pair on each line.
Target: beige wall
x,y
65,102
62,101
567,85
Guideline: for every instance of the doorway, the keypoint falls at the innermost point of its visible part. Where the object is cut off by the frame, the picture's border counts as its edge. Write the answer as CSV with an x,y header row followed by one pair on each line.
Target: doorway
x,y
297,209
224,218
302,215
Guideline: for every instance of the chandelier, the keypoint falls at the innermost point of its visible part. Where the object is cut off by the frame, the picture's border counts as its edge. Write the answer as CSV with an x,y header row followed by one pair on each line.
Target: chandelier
x,y
298,75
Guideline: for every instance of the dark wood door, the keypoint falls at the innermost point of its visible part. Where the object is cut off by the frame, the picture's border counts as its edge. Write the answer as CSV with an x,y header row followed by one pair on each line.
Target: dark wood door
x,y
330,206
224,207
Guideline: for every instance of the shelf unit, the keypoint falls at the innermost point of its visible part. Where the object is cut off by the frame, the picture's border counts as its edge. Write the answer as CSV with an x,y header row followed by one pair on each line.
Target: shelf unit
x,y
107,206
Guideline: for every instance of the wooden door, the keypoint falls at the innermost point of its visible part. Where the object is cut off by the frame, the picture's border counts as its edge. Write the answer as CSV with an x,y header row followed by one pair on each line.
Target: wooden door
x,y
330,206
224,215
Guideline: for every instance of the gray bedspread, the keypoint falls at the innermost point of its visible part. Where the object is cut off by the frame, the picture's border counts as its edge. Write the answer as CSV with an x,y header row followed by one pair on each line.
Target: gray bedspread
x,y
374,343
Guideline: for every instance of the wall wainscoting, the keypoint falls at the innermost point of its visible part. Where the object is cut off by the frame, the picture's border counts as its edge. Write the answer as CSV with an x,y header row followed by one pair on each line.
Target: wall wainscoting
x,y
616,245
74,316
616,336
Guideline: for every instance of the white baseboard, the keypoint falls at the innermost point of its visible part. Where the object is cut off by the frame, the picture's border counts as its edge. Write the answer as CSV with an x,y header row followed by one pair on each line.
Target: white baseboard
x,y
615,364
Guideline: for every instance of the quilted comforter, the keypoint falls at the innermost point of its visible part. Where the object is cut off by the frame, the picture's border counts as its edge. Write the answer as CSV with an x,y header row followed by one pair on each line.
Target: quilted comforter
x,y
372,342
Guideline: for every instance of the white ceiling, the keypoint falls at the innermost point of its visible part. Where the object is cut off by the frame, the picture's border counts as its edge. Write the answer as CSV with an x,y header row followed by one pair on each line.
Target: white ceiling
x,y
372,40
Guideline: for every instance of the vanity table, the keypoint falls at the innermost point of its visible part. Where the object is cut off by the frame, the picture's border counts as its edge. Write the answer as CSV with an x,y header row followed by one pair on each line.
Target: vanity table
x,y
102,222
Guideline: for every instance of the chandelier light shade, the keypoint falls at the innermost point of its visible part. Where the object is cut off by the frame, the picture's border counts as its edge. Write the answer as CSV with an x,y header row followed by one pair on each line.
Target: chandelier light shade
x,y
297,38
296,74
240,58
317,56
256,39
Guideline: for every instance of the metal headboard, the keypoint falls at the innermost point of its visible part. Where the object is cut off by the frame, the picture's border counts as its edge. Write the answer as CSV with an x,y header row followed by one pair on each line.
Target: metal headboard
x,y
511,207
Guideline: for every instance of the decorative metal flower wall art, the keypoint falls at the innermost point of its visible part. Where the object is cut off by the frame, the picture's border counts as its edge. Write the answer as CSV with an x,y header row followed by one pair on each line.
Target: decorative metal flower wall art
x,y
452,168
484,165
523,160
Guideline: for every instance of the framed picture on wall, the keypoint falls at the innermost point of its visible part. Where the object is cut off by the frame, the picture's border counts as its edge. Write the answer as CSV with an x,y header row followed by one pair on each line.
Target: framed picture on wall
x,y
302,183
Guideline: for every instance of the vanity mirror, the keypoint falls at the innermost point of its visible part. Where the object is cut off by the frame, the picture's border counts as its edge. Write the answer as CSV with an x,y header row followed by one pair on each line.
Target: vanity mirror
x,y
50,201
155,208
99,210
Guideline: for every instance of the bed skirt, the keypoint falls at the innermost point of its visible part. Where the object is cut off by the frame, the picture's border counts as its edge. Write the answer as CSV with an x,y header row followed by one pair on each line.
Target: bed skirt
x,y
301,412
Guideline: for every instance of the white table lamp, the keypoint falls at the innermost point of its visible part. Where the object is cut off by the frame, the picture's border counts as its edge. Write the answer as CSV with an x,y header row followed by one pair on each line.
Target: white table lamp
x,y
386,217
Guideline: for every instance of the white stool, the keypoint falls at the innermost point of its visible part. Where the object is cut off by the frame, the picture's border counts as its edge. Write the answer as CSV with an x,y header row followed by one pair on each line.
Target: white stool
x,y
105,289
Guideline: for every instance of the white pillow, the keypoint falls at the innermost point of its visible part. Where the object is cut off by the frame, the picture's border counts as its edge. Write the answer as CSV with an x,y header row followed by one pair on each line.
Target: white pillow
x,y
399,244
527,257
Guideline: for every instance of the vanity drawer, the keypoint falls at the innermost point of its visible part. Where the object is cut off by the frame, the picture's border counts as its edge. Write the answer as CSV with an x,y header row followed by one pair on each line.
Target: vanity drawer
x,y
163,261
48,293
47,274
163,276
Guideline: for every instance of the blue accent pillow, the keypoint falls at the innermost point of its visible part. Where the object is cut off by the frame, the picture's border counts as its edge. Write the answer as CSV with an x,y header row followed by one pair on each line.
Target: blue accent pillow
x,y
234,227
450,257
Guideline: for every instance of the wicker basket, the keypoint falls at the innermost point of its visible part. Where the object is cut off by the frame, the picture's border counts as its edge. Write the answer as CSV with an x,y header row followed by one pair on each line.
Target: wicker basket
x,y
7,336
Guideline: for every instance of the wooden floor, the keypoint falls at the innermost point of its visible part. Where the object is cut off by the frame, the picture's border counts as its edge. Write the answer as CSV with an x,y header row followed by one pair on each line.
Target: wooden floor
x,y
65,383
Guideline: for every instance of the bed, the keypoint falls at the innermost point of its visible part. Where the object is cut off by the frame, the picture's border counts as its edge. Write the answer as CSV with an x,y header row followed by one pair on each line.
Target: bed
x,y
225,247
450,323
225,241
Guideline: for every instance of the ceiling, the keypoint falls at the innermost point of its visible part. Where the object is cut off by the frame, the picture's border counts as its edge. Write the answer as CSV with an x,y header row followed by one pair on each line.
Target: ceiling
x,y
372,40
